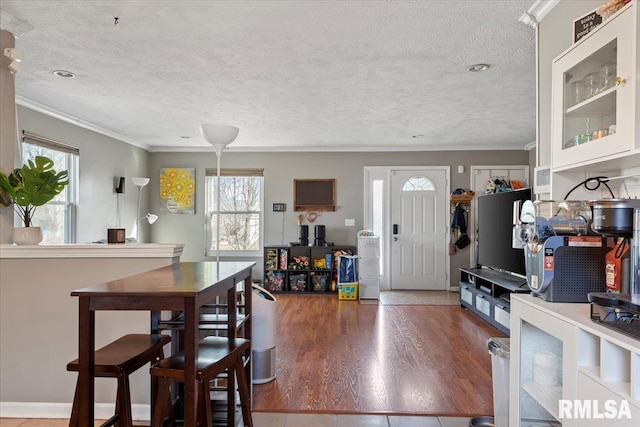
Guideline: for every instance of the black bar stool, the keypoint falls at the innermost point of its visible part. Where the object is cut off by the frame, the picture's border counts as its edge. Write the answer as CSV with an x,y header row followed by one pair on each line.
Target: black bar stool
x,y
216,355
120,359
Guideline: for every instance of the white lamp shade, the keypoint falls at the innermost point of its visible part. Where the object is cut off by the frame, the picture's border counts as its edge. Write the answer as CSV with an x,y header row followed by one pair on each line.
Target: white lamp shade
x,y
139,181
151,218
219,135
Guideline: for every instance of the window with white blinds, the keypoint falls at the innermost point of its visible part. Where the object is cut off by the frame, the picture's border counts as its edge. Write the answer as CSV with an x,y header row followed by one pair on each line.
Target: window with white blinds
x,y
56,218
241,211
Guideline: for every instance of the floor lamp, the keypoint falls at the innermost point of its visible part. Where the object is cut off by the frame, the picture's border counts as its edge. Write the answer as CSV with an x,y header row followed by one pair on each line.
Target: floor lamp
x,y
219,135
141,182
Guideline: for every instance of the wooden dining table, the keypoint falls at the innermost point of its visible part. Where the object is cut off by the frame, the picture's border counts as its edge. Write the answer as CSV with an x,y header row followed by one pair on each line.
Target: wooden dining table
x,y
185,287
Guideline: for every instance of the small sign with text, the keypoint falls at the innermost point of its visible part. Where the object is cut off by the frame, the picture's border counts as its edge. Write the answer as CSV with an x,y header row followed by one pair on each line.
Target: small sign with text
x,y
584,25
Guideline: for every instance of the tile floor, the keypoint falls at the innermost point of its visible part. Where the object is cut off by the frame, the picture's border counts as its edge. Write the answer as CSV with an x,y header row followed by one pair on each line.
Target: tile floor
x,y
267,419
264,419
417,298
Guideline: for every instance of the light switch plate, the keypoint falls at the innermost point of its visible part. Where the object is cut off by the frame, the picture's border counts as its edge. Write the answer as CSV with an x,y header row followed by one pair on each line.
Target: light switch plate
x,y
350,222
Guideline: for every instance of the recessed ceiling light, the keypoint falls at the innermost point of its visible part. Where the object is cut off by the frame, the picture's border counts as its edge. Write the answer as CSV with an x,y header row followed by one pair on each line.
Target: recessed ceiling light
x,y
478,67
418,136
63,73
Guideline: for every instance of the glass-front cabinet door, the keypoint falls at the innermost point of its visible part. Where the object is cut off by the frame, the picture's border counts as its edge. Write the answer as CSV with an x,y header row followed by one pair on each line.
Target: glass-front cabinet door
x,y
543,368
540,377
593,95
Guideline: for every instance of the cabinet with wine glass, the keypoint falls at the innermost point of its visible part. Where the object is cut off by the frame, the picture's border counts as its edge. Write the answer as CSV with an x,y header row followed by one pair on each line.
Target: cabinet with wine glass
x,y
595,95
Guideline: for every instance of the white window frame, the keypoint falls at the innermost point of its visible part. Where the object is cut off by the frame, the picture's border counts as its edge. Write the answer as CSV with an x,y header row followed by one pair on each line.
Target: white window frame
x,y
210,194
71,190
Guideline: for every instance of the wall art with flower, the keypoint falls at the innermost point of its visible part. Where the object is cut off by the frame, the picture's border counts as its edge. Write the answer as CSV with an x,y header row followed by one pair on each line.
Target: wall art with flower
x,y
178,190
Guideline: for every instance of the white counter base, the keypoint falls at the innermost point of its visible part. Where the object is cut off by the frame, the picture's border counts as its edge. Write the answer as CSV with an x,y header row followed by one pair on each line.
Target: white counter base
x,y
599,364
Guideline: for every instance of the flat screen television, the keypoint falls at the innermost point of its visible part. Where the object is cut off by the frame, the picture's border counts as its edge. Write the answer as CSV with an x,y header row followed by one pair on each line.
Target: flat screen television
x,y
495,230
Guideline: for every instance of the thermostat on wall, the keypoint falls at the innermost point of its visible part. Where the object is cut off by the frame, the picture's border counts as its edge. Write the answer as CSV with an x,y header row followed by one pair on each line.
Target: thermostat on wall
x,y
542,180
279,207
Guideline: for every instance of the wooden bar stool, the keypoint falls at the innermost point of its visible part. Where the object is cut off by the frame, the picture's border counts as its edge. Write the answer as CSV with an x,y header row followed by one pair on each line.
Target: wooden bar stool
x,y
216,355
120,359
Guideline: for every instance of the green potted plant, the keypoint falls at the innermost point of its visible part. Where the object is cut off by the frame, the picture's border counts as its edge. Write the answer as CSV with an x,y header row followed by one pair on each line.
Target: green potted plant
x,y
28,187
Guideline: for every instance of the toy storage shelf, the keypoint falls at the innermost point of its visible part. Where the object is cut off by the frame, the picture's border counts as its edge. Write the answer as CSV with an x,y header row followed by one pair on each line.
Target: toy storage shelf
x,y
303,269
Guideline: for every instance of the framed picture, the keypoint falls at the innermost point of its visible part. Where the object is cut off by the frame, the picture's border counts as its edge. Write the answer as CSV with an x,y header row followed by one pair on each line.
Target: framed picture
x,y
178,190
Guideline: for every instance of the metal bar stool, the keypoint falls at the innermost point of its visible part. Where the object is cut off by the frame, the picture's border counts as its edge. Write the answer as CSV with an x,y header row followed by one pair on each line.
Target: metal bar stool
x,y
216,355
120,359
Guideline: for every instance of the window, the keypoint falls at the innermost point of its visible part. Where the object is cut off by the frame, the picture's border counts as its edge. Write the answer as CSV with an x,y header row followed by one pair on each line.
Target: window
x,y
56,218
418,183
377,205
241,211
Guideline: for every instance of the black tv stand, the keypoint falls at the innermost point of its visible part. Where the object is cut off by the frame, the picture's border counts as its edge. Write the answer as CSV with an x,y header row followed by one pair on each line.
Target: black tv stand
x,y
487,292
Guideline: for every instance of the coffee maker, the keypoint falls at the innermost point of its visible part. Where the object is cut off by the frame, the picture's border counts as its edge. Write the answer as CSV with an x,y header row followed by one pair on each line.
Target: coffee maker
x,y
563,263
621,311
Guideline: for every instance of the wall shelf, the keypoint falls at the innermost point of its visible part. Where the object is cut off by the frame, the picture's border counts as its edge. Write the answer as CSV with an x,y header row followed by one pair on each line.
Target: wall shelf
x,y
462,198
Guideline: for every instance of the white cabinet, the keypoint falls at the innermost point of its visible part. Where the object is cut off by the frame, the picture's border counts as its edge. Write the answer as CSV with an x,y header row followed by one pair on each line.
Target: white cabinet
x,y
369,267
542,364
595,95
589,390
600,368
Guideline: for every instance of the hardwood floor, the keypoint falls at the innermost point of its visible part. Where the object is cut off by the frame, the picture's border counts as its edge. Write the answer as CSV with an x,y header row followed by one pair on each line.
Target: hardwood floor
x,y
345,357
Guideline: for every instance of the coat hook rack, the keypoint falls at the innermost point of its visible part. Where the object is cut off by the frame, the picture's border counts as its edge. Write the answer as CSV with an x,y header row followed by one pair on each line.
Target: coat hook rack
x,y
464,198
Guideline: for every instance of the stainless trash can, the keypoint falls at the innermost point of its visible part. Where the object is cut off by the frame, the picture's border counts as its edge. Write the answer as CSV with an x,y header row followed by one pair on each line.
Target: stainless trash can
x,y
263,336
500,351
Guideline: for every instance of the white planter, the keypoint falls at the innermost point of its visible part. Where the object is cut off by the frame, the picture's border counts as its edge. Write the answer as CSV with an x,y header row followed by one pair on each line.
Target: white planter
x,y
27,235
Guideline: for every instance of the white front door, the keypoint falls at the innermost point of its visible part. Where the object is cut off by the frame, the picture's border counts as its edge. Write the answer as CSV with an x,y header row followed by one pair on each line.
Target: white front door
x,y
419,229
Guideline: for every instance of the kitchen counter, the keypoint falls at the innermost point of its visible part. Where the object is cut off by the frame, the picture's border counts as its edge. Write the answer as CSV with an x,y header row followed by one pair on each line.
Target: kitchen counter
x,y
39,322
133,250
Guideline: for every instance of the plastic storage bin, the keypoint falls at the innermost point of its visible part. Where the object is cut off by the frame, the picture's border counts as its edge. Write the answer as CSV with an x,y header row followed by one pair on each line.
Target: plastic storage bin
x,y
348,291
500,350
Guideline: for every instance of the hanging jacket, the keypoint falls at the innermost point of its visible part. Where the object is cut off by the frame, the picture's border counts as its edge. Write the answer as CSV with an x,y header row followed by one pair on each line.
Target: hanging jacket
x,y
459,221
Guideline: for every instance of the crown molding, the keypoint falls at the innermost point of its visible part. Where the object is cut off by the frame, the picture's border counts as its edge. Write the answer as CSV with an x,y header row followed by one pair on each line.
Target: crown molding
x,y
537,12
57,114
10,23
335,149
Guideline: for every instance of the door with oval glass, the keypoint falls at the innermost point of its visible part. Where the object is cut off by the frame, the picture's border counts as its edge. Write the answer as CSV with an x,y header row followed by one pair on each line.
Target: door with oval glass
x,y
419,219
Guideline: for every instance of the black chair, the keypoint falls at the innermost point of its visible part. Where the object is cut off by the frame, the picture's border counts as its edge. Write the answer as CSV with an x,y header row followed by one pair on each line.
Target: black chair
x,y
216,355
120,359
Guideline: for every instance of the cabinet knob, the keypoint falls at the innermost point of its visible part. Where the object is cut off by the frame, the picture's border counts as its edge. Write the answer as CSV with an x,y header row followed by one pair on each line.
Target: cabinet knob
x,y
620,81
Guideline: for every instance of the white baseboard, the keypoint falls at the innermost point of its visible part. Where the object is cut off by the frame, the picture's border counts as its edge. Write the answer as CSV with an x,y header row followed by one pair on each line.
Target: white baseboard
x,y
103,411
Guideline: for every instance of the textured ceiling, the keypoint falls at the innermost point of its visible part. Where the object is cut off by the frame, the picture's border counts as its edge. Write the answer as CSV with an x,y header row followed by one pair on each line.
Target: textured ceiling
x,y
292,75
